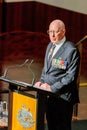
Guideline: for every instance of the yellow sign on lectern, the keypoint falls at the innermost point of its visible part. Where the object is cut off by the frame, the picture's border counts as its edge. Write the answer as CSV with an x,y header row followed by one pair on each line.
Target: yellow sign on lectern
x,y
24,112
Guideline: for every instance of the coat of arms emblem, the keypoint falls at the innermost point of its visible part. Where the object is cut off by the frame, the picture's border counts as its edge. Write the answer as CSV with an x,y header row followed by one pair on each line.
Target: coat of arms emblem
x,y
25,117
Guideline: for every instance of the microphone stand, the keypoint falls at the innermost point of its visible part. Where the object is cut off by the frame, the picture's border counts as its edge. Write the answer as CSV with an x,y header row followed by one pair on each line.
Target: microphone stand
x,y
21,65
10,67
29,67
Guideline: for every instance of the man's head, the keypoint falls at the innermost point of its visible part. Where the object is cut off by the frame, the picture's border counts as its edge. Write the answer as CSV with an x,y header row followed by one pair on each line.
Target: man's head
x,y
56,30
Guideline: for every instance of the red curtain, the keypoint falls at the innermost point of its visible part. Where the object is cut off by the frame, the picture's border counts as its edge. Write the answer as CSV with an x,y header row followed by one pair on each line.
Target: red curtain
x,y
35,16
1,8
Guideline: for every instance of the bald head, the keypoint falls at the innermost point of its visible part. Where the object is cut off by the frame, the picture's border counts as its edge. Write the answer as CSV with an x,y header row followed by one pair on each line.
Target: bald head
x,y
58,23
56,30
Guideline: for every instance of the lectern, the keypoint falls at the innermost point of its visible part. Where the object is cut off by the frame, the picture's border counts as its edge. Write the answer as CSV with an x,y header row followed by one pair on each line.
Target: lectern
x,y
26,105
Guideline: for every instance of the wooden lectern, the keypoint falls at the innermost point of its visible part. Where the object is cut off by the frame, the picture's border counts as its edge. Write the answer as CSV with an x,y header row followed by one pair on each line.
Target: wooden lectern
x,y
26,106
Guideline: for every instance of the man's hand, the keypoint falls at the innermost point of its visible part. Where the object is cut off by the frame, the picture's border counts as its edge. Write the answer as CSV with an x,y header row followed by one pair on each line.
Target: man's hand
x,y
45,86
38,84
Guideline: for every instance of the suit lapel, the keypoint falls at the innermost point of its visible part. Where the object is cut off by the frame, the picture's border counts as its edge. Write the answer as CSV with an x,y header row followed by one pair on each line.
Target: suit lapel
x,y
57,55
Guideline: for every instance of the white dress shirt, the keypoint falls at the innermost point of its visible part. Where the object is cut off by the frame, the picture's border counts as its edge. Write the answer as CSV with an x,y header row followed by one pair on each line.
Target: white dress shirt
x,y
58,45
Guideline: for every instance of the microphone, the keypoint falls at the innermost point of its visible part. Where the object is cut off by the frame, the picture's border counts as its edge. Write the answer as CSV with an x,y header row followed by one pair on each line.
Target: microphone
x,y
10,67
29,67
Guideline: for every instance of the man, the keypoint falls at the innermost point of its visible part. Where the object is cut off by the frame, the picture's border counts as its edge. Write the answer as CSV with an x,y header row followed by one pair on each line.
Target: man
x,y
59,75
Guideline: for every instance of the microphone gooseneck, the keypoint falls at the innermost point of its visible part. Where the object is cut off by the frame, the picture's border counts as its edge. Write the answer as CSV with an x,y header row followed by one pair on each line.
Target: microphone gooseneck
x,y
29,67
10,67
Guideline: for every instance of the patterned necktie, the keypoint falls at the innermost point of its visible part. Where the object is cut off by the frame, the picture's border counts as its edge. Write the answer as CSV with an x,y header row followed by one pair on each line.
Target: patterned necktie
x,y
51,52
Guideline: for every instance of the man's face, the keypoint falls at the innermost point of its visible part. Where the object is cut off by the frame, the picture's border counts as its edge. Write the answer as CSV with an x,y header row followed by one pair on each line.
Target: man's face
x,y
55,33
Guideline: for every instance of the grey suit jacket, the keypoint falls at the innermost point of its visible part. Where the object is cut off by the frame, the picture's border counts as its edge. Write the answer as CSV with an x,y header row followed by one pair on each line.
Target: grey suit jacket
x,y
62,72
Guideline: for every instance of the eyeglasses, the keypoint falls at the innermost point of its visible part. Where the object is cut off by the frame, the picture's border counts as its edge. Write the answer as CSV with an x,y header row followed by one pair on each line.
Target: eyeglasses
x,y
52,32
